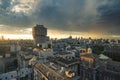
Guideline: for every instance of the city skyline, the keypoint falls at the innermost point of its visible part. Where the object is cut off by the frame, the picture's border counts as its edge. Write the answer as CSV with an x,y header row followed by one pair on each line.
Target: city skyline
x,y
58,35
78,18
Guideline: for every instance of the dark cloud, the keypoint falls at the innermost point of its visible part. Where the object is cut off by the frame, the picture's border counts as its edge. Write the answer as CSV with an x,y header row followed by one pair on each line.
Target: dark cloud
x,y
76,15
15,21
109,16
7,17
5,4
65,15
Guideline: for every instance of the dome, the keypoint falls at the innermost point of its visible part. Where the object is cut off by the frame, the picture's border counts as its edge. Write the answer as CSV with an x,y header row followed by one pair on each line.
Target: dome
x,y
103,57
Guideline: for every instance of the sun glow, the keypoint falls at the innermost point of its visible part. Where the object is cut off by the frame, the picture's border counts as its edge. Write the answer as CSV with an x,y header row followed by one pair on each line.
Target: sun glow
x,y
17,36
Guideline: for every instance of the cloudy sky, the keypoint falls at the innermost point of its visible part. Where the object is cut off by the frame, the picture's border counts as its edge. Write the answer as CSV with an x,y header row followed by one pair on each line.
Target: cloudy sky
x,y
94,18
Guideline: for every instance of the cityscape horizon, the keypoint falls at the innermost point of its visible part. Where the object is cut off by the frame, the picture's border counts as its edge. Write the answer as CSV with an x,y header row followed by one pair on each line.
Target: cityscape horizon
x,y
58,35
59,39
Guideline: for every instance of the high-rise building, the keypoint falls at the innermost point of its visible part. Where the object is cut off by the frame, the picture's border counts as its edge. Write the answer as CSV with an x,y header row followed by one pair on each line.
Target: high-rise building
x,y
40,36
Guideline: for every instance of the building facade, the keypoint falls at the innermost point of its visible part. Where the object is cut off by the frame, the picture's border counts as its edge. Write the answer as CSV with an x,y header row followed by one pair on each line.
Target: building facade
x,y
39,34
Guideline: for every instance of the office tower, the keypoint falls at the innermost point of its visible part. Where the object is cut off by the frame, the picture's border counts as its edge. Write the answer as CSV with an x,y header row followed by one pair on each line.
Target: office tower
x,y
40,35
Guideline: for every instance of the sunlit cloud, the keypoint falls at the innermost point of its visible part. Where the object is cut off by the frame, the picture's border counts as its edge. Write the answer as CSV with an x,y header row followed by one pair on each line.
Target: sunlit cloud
x,y
21,8
24,6
0,1
27,1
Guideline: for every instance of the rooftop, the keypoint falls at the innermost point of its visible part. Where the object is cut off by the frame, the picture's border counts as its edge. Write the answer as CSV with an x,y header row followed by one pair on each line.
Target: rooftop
x,y
54,64
64,62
